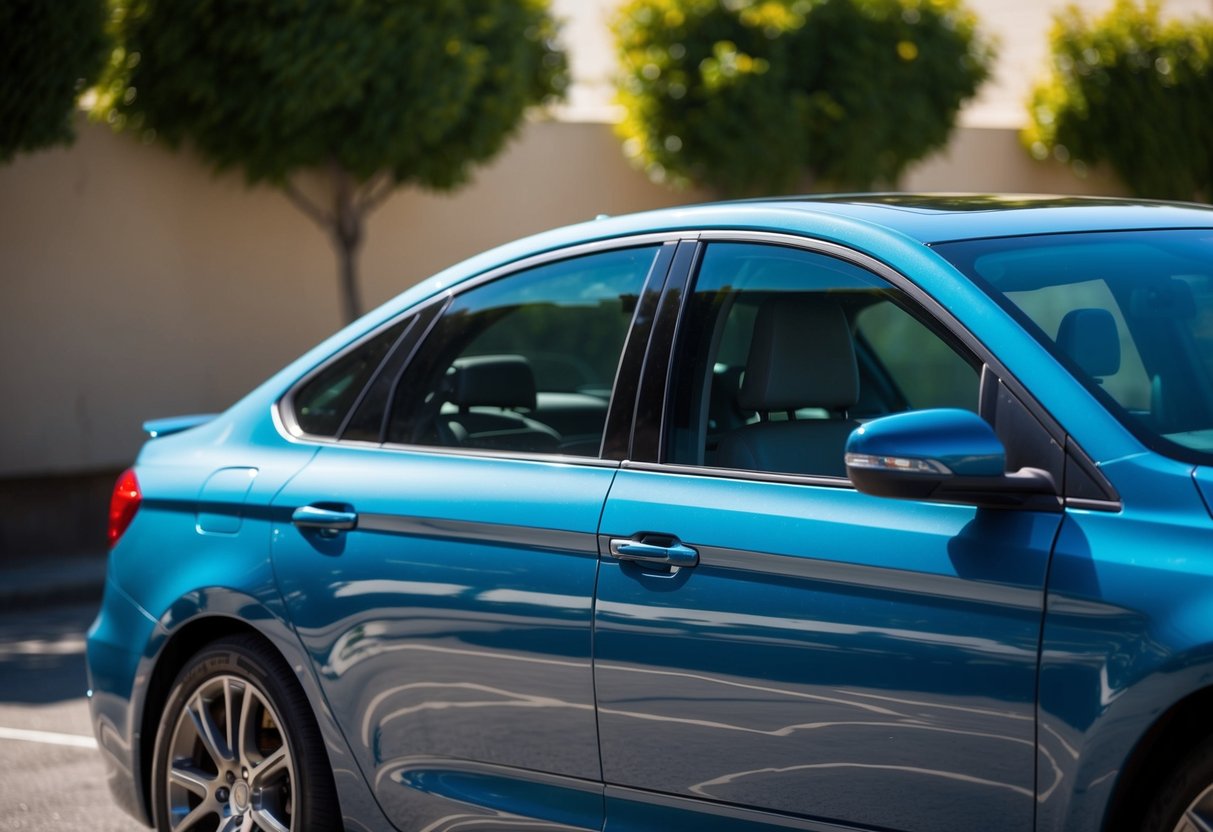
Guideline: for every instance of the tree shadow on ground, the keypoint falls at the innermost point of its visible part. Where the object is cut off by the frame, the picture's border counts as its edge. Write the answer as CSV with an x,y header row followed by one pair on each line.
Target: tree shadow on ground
x,y
42,654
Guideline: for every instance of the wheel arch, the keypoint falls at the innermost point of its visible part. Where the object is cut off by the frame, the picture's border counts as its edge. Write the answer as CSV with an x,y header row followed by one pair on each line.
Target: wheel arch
x,y
203,615
1180,728
182,643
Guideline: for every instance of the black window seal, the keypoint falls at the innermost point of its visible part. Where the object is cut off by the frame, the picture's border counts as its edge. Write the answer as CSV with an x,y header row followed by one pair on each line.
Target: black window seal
x,y
486,453
432,314
370,382
648,416
617,428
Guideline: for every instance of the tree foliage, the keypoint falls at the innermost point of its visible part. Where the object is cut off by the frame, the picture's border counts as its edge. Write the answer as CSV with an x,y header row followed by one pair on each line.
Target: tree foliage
x,y
1131,91
374,93
752,95
50,50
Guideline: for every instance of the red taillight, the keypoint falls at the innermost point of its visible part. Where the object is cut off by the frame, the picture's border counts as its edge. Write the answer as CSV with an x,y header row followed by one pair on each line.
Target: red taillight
x,y
123,504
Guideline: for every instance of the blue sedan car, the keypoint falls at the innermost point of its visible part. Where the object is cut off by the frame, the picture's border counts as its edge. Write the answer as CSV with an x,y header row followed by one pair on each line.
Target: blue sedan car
x,y
868,513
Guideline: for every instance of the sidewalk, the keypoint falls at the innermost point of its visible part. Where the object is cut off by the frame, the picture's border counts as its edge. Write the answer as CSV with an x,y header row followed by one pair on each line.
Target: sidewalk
x,y
52,580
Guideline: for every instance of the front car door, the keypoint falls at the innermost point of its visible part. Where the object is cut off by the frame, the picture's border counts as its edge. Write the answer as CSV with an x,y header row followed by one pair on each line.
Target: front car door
x,y
441,560
772,646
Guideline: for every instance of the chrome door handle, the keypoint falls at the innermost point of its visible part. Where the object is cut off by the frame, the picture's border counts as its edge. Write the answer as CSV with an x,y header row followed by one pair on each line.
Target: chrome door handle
x,y
672,553
327,521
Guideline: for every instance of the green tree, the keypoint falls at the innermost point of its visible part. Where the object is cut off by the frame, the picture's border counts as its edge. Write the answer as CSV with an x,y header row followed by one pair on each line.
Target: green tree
x,y
756,95
1131,91
50,50
371,94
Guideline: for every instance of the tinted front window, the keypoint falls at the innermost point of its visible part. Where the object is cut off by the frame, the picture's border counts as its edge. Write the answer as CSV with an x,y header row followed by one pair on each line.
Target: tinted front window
x,y
784,352
1130,314
525,363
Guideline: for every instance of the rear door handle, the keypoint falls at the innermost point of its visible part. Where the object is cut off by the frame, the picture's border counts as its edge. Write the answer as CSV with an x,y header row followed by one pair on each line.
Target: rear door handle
x,y
650,548
327,521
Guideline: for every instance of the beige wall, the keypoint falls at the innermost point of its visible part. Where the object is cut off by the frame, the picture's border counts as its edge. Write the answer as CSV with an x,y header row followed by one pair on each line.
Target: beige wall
x,y
135,284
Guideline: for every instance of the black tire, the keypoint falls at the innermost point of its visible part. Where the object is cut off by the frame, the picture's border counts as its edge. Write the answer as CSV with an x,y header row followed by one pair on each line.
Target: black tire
x,y
1185,800
238,747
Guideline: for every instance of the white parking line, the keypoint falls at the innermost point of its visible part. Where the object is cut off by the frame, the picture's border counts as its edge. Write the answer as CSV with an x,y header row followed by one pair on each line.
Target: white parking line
x,y
47,737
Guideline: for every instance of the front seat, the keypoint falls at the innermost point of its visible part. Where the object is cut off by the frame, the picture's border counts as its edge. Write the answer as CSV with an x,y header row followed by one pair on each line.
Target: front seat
x,y
801,356
1090,338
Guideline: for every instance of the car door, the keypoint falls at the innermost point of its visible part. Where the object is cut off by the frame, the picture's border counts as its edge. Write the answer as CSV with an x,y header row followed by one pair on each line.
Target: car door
x,y
773,648
438,555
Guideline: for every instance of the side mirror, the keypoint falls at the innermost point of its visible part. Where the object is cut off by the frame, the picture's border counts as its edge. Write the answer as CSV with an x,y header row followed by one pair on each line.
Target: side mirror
x,y
943,456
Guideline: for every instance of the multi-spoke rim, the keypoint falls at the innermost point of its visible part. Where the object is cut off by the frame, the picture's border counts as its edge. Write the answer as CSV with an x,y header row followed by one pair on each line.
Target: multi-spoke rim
x,y
229,766
1198,817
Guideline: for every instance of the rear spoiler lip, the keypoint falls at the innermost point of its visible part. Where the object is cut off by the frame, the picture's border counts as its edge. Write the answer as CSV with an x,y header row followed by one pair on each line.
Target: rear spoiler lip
x,y
156,428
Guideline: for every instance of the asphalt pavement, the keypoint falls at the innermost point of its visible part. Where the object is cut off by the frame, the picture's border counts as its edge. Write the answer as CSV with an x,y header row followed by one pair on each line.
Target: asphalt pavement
x,y
30,583
51,774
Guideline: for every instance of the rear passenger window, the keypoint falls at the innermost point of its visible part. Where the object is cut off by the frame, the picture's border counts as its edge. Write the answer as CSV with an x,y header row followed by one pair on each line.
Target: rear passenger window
x,y
525,363
784,352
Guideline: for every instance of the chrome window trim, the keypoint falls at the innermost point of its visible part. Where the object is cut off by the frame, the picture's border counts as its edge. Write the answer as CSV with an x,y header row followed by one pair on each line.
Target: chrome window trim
x,y
484,453
738,474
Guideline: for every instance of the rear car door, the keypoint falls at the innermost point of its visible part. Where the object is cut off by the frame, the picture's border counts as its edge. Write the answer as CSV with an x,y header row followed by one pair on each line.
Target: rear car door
x,y
438,555
773,647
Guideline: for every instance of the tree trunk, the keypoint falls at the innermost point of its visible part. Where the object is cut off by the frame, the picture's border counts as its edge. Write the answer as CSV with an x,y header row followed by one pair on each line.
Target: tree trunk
x,y
347,239
347,265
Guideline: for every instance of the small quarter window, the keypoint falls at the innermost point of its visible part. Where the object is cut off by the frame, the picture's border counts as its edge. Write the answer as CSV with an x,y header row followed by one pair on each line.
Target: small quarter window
x,y
320,405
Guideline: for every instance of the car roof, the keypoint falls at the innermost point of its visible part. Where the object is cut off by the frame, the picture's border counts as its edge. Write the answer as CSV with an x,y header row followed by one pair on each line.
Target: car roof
x,y
875,223
937,218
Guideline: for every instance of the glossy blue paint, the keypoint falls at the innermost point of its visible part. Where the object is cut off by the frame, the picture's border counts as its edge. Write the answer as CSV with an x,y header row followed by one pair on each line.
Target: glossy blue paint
x,y
959,441
156,428
1204,482
453,624
113,664
475,658
828,647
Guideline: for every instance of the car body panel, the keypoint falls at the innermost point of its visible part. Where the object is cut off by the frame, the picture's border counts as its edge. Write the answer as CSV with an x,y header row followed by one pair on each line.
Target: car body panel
x,y
822,630
114,664
1203,476
1129,632
827,647
453,624
190,575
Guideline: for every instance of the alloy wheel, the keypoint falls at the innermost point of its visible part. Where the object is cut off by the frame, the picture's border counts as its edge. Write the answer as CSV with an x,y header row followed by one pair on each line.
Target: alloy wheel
x,y
230,767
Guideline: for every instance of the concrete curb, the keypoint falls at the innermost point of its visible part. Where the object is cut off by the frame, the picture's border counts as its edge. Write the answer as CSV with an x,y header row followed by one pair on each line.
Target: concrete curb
x,y
51,581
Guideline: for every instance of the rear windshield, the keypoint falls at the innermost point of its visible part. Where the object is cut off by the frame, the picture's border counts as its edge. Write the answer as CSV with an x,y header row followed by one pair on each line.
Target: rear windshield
x,y
1130,313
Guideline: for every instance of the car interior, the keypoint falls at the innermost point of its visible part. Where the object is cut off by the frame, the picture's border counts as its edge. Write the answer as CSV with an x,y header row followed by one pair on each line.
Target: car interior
x,y
785,377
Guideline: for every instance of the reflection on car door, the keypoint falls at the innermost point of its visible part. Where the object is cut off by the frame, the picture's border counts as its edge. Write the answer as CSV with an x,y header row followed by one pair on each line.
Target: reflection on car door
x,y
771,644
441,569
452,626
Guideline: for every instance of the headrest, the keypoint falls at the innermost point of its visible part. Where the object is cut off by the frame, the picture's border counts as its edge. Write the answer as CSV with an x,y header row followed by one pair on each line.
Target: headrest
x,y
801,355
1089,337
493,381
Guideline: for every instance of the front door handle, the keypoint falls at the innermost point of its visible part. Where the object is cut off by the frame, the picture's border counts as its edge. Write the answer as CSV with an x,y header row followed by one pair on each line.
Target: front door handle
x,y
649,548
328,521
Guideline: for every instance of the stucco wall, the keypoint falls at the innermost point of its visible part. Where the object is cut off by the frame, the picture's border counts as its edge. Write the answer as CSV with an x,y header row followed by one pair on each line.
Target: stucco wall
x,y
136,284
